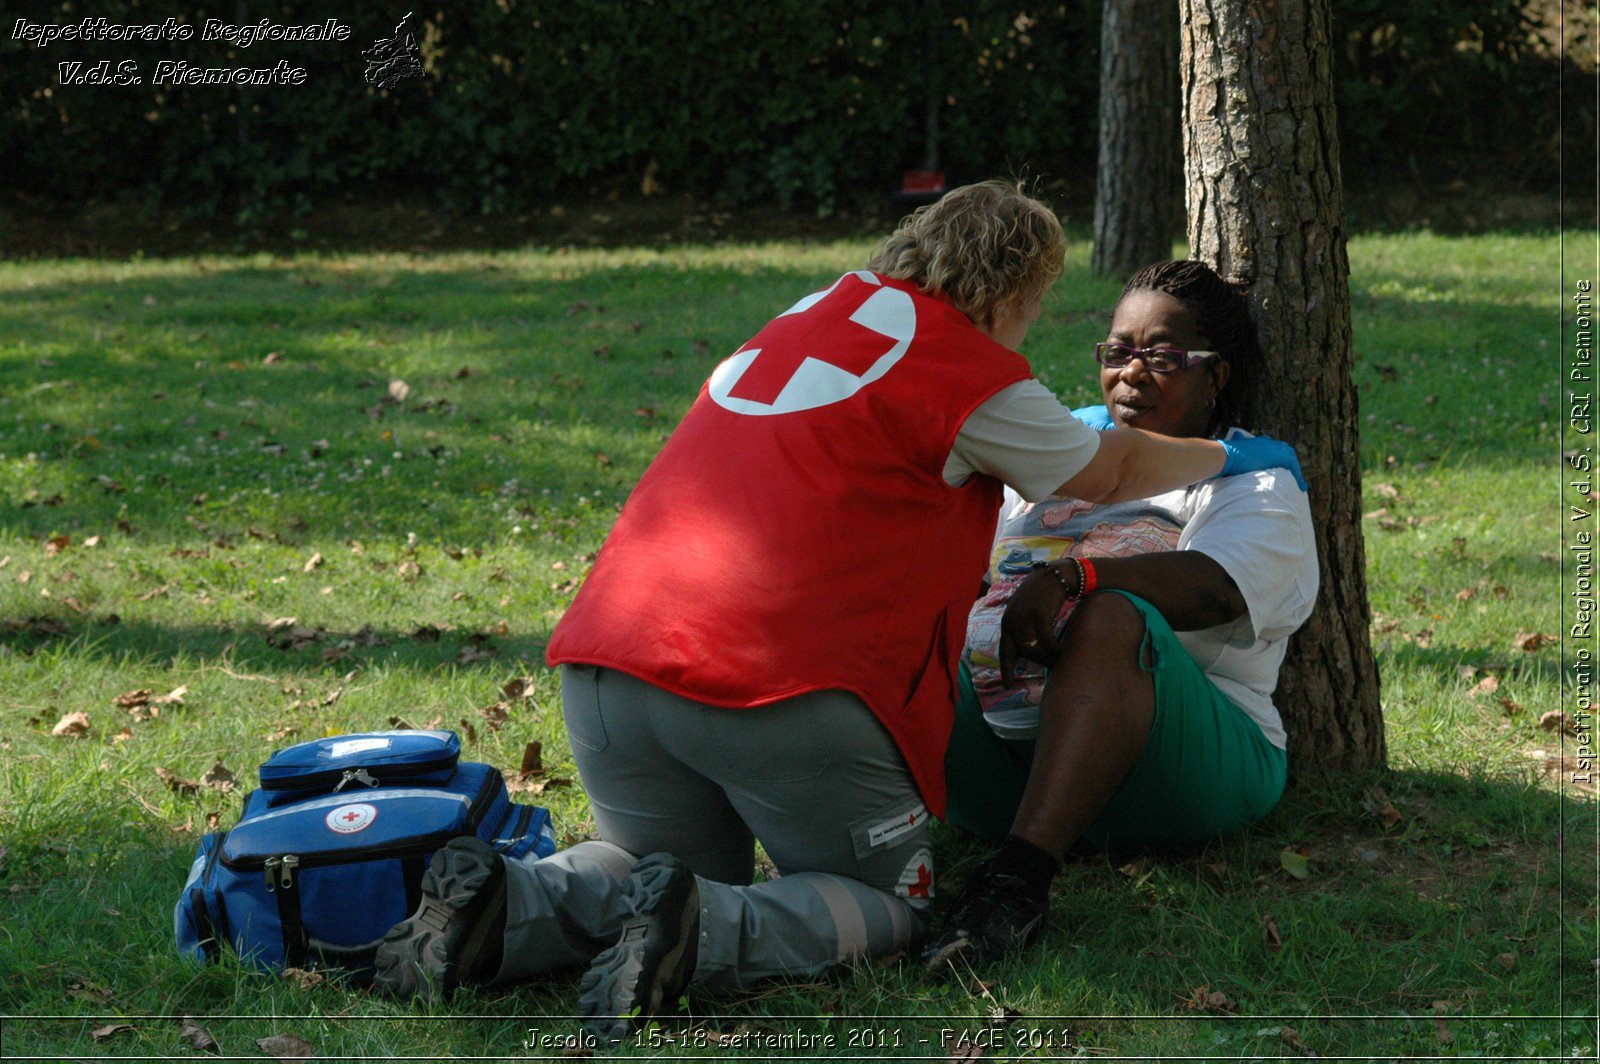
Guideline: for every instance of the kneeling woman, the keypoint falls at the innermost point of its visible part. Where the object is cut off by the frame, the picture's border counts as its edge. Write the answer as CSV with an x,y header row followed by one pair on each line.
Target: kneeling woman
x,y
1147,720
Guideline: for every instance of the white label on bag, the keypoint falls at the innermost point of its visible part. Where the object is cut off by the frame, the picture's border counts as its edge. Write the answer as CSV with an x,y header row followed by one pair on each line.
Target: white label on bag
x,y
349,819
356,746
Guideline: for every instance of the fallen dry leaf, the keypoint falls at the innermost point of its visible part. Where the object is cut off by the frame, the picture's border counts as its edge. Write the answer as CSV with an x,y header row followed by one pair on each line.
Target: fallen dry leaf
x,y
1203,999
56,544
1269,934
496,715
1506,960
397,391
1529,642
176,783
155,592
286,1047
111,1029
1376,803
1291,1038
532,758
83,990
302,979
173,697
1441,1029
1295,863
518,688
73,725
92,541
517,783
1554,720
132,699
218,778
312,563
408,571
1487,685
1511,707
317,703
197,1036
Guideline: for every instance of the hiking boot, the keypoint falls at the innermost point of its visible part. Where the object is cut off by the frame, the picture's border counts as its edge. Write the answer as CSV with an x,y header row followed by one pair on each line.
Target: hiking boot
x,y
996,914
648,969
457,934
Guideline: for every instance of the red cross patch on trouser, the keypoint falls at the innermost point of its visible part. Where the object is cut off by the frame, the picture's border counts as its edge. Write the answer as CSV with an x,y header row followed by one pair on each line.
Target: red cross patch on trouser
x,y
916,882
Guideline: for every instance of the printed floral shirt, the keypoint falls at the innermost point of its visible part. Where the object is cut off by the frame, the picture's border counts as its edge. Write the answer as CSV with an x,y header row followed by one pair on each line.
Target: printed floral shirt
x,y
1044,532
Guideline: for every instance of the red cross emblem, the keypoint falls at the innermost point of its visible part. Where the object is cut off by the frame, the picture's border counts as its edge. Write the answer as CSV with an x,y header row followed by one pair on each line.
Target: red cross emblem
x,y
919,889
823,350
349,819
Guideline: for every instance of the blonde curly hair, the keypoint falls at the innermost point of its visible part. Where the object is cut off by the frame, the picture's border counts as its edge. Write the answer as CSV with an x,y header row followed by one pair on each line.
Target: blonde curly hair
x,y
984,246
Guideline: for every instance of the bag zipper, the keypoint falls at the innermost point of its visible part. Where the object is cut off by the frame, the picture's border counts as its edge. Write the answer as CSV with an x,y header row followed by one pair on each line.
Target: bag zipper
x,y
211,860
370,775
280,881
484,799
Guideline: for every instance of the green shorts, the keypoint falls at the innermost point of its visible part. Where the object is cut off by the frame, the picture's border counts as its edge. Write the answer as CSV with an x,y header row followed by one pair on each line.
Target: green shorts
x,y
1206,769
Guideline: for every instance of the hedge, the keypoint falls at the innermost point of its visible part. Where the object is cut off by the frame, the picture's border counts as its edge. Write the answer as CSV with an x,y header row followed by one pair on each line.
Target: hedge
x,y
794,101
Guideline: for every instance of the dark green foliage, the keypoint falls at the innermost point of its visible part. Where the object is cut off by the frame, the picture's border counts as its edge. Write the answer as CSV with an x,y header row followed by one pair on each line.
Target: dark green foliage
x,y
793,101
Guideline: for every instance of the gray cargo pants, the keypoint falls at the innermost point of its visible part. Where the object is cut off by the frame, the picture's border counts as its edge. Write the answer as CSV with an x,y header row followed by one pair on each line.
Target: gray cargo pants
x,y
815,778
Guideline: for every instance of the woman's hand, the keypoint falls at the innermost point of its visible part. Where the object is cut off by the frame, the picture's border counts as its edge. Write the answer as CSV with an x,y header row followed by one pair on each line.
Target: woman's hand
x,y
1255,453
1028,626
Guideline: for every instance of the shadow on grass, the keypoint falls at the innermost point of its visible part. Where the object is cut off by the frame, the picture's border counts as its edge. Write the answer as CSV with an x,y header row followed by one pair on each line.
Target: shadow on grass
x,y
1471,892
568,385
158,415
1409,887
287,649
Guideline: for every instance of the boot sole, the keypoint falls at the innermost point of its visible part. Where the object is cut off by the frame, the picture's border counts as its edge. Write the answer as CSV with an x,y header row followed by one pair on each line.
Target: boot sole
x,y
658,951
463,887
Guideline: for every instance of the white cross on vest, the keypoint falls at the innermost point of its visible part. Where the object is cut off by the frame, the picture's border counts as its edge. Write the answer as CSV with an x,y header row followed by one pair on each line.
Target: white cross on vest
x,y
790,372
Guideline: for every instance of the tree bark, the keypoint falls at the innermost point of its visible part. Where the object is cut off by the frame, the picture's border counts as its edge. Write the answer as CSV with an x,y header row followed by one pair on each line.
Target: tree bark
x,y
1136,200
1265,209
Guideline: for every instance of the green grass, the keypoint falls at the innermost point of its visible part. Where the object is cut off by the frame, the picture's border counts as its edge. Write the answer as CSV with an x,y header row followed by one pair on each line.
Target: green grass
x,y
137,405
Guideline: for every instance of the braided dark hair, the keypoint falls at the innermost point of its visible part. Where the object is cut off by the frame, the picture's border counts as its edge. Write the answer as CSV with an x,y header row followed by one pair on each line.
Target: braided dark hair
x,y
1222,314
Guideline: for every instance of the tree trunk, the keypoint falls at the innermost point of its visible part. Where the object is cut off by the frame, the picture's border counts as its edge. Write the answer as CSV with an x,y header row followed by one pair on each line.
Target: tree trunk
x,y
1136,199
1265,209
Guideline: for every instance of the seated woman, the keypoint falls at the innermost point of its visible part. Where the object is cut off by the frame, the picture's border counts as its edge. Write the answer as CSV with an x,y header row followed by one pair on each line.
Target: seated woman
x,y
1147,720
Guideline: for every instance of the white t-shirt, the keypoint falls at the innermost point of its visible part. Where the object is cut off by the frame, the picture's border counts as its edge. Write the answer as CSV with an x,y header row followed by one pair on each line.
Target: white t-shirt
x,y
1258,528
1022,436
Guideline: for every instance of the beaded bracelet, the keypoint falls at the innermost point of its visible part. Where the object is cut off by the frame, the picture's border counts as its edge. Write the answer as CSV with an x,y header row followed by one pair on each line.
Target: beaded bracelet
x,y
1066,588
1088,580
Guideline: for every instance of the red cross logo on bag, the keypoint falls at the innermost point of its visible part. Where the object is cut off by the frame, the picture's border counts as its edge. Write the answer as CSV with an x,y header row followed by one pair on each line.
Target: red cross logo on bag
x,y
349,819
822,350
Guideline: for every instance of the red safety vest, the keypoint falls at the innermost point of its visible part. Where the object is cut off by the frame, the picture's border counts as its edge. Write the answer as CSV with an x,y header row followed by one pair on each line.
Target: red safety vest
x,y
796,532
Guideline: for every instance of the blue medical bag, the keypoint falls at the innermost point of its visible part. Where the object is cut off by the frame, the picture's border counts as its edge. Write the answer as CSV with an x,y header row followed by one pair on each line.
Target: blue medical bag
x,y
329,852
